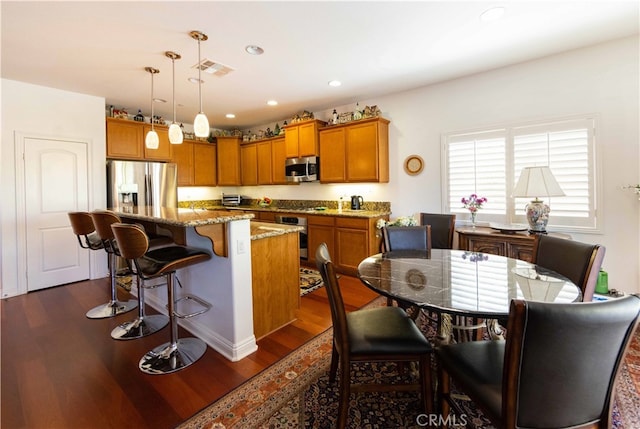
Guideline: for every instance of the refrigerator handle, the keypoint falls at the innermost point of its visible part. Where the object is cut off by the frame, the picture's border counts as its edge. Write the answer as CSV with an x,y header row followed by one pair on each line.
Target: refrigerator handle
x,y
148,192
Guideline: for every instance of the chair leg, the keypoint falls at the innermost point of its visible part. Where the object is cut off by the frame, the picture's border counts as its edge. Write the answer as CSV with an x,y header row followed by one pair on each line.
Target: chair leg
x,y
143,325
425,383
113,307
334,364
177,354
345,393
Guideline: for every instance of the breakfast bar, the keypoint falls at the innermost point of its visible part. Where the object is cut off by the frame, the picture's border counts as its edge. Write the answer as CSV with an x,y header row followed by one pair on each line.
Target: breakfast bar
x,y
225,281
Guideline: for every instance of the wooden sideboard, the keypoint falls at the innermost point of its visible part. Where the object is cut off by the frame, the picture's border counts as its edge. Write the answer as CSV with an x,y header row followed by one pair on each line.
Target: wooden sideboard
x,y
517,245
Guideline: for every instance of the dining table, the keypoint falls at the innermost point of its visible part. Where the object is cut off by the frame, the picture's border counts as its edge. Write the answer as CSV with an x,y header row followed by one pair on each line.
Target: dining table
x,y
463,285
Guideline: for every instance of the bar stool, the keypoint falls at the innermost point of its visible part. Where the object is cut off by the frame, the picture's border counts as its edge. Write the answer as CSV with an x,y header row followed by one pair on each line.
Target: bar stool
x,y
143,325
83,226
165,261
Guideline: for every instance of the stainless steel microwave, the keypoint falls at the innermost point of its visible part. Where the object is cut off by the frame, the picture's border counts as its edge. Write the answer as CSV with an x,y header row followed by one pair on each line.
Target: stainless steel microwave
x,y
302,169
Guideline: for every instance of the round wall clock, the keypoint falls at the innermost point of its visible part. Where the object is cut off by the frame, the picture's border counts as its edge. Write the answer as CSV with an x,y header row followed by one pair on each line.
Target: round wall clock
x,y
413,165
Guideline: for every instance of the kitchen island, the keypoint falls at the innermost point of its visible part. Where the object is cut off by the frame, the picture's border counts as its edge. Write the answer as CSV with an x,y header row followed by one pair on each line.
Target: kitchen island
x,y
225,281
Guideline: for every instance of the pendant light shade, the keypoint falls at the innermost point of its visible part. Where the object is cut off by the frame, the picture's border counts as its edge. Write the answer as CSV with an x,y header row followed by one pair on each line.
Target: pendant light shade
x,y
200,123
152,141
175,132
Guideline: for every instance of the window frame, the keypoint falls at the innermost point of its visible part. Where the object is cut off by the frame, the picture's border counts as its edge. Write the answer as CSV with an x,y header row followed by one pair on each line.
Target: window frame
x,y
591,224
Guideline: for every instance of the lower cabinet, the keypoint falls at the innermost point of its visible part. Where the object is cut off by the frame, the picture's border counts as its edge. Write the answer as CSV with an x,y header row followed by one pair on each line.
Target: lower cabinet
x,y
486,240
275,287
349,240
320,229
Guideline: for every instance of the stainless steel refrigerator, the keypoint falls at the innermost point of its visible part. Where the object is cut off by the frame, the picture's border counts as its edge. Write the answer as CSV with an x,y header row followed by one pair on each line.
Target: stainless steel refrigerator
x,y
133,183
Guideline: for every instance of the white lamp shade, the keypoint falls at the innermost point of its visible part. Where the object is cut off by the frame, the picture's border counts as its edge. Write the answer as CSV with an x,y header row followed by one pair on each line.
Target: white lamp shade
x,y
201,125
151,140
537,182
175,134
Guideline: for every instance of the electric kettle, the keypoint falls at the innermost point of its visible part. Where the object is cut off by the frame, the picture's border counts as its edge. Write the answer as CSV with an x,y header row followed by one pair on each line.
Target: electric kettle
x,y
356,202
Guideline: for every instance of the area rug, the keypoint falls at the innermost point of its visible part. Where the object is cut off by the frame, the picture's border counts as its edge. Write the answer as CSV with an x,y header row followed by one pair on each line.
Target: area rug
x,y
310,280
296,393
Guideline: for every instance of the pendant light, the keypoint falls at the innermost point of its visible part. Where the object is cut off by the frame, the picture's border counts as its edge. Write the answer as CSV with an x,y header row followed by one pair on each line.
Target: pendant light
x,y
200,123
152,141
175,132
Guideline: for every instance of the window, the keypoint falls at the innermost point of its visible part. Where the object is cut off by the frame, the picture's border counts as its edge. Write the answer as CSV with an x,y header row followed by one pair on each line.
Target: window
x,y
489,162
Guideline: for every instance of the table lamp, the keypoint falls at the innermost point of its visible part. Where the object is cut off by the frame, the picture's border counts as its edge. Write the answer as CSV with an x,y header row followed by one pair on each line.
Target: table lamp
x,y
537,182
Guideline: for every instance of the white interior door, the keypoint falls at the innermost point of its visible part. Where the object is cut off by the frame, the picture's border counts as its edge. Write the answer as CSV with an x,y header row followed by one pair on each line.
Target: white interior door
x,y
55,179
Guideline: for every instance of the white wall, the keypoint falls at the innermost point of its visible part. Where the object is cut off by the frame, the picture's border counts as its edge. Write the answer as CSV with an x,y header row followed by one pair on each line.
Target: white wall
x,y
45,111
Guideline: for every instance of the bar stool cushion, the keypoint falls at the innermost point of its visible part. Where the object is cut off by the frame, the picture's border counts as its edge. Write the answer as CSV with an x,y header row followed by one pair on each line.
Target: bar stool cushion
x,y
171,258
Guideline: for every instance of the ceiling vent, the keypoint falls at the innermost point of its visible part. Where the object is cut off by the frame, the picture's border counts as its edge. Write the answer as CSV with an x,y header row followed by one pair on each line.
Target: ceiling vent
x,y
213,68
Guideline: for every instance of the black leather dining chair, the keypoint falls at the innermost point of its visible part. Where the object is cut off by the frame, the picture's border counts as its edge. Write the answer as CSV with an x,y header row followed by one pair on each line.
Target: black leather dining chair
x,y
556,369
406,238
442,229
579,262
380,334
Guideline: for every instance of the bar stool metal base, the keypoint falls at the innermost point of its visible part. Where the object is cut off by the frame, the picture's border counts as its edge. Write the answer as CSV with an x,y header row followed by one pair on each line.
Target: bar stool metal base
x,y
140,327
169,357
111,309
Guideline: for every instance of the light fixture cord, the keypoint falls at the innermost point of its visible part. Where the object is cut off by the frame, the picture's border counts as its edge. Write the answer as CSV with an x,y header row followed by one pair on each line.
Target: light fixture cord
x,y
199,71
151,99
173,66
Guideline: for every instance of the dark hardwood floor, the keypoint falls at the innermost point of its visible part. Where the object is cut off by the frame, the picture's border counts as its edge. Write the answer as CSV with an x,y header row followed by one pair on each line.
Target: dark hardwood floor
x,y
62,370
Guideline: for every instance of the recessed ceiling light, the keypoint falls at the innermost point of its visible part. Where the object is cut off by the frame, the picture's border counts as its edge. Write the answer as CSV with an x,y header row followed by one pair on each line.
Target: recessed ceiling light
x,y
492,14
254,50
272,103
230,115
195,80
335,83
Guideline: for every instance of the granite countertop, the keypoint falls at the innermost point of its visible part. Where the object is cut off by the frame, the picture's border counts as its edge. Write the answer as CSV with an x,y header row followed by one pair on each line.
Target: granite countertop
x,y
261,230
185,217
308,211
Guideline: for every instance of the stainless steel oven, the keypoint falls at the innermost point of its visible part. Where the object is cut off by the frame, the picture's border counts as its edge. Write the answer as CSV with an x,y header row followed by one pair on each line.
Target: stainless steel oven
x,y
299,221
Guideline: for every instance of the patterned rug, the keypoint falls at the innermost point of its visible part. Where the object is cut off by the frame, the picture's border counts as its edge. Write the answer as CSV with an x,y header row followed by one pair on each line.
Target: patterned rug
x,y
296,393
310,280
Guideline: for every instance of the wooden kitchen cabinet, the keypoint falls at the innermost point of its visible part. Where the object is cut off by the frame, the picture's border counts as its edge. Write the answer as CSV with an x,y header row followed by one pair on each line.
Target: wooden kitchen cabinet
x,y
124,139
196,163
264,150
204,164
355,152
301,138
249,163
278,159
228,161
165,149
333,155
486,240
183,157
355,240
320,229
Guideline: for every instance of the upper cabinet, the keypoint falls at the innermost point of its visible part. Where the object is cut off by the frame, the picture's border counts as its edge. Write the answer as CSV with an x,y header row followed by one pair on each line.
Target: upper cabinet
x,y
301,138
355,152
263,162
125,140
196,163
249,163
229,172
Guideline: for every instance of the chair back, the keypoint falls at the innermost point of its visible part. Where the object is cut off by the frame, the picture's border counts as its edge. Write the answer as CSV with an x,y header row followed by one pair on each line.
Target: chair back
x,y
103,220
84,229
132,241
338,313
579,262
561,361
406,238
442,229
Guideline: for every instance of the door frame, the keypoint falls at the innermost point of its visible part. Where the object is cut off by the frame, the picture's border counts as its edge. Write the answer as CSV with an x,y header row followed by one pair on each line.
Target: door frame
x,y
20,189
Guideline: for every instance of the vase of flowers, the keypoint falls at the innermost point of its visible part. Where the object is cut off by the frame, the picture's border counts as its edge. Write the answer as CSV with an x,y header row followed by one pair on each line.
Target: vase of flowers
x,y
473,203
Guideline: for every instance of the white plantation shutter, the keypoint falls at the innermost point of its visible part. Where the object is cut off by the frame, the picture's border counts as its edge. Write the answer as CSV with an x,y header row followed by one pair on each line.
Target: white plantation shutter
x,y
489,163
476,164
